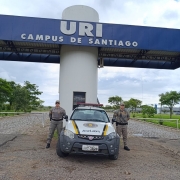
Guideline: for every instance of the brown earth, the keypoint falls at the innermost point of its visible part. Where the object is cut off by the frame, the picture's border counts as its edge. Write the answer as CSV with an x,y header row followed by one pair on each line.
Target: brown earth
x,y
26,158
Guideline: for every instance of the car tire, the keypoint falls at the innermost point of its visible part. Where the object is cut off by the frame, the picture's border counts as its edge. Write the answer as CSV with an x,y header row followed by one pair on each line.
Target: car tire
x,y
58,150
113,157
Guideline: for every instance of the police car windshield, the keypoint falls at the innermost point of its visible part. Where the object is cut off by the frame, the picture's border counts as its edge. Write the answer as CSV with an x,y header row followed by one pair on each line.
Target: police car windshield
x,y
90,115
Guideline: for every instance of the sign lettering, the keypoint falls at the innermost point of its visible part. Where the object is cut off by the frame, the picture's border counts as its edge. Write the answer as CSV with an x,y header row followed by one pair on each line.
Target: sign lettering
x,y
79,33
85,29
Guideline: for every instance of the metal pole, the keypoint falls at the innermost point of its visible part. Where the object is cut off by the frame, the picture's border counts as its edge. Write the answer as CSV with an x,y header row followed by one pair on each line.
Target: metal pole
x,y
177,121
43,119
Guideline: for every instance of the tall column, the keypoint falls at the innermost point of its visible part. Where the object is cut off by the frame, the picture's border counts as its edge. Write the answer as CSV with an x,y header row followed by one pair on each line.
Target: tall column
x,y
78,64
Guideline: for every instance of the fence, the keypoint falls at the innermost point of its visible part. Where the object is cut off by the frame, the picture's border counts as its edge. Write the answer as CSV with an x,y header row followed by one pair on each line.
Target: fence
x,y
44,116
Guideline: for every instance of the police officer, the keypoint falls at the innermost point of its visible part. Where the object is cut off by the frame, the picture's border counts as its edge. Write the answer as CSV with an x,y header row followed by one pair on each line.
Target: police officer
x,y
122,116
56,117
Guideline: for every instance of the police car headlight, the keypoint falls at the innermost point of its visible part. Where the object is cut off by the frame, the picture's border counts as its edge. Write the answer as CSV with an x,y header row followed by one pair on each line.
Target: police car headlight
x,y
111,136
68,133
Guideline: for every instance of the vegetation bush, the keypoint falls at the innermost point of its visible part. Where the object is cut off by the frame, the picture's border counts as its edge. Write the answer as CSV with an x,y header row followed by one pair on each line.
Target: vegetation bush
x,y
148,110
19,98
161,122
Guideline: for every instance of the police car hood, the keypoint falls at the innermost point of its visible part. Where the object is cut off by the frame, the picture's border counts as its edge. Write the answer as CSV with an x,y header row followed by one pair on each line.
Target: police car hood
x,y
93,128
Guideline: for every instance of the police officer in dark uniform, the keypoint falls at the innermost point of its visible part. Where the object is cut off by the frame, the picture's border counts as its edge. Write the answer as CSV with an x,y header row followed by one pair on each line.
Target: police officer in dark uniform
x,y
56,115
122,116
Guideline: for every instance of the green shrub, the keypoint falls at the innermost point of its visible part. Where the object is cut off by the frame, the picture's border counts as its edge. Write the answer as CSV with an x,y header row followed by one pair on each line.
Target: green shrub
x,y
148,110
55,134
144,115
161,122
8,107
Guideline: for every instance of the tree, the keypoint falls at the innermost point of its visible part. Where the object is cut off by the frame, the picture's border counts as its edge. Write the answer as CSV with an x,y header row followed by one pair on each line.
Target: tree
x,y
13,86
127,105
21,99
115,101
108,107
33,92
148,110
134,103
170,99
5,91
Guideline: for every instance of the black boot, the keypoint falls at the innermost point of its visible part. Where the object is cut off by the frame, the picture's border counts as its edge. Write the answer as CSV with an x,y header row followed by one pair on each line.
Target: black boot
x,y
126,148
48,145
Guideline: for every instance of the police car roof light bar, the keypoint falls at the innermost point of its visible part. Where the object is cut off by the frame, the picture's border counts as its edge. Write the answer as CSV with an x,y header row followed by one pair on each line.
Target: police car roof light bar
x,y
89,104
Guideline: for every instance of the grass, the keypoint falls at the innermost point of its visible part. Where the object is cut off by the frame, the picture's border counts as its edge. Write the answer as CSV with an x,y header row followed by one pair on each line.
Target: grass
x,y
163,116
170,123
55,134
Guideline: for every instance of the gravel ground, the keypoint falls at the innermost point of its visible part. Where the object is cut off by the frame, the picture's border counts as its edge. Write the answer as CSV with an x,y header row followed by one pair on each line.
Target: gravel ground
x,y
25,157
144,129
21,124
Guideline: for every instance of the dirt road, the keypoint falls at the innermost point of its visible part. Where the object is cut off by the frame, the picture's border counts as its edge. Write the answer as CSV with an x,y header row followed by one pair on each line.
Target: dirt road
x,y
26,158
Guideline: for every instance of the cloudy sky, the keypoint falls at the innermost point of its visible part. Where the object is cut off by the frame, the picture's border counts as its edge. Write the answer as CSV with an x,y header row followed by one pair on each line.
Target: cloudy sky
x,y
143,84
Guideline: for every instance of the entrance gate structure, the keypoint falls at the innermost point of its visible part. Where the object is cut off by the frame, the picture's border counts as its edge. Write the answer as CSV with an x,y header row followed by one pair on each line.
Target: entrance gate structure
x,y
81,44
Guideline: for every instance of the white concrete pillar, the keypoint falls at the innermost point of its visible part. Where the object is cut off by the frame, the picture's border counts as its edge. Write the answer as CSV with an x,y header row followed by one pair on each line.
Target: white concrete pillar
x,y
78,64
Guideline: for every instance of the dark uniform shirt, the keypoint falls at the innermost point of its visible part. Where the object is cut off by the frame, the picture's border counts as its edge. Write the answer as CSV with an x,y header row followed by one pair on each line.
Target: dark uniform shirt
x,y
57,113
121,116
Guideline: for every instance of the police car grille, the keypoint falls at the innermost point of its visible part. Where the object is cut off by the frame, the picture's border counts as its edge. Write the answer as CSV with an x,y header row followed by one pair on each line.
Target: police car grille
x,y
88,137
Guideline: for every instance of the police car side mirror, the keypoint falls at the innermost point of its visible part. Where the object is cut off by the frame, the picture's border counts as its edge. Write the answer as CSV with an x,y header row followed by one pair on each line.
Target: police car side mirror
x,y
66,117
113,120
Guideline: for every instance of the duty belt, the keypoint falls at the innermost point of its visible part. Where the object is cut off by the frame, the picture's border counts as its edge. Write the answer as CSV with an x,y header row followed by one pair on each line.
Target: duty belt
x,y
57,119
118,123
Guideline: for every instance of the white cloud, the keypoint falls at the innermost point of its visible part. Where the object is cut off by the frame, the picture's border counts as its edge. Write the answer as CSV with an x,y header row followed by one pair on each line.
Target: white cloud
x,y
4,75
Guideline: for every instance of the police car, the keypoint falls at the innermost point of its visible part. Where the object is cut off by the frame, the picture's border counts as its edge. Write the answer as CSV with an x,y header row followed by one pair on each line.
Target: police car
x,y
88,131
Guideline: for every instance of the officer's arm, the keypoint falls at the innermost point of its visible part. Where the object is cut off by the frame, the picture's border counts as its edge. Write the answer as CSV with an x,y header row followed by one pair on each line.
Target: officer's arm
x,y
64,112
115,115
128,115
50,114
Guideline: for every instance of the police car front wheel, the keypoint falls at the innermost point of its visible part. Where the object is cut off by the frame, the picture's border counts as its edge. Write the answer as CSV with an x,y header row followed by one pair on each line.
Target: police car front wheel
x,y
59,152
113,157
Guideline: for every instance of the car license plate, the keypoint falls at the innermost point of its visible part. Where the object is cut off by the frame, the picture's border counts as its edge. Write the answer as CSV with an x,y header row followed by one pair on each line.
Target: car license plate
x,y
90,148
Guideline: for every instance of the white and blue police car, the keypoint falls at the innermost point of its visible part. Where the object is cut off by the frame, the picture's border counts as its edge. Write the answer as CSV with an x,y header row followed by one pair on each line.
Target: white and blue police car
x,y
88,131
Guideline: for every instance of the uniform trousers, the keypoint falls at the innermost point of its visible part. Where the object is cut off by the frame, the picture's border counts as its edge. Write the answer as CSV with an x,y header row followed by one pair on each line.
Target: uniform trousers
x,y
53,126
122,129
